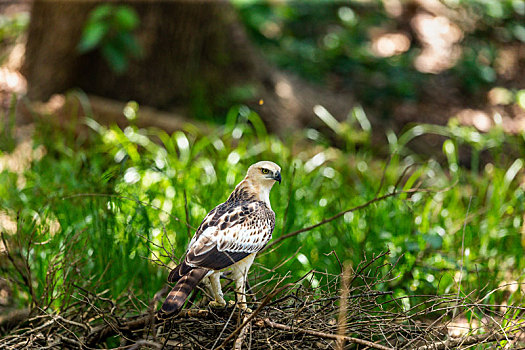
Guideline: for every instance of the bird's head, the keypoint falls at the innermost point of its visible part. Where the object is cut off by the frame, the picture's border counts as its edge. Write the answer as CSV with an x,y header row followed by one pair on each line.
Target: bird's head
x,y
264,173
258,182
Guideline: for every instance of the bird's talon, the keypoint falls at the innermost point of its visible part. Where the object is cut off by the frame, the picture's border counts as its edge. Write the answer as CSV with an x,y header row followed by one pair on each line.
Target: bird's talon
x,y
216,304
241,306
244,308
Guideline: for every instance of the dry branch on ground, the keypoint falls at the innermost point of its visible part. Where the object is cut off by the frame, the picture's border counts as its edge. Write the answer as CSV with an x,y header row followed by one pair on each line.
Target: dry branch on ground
x,y
288,314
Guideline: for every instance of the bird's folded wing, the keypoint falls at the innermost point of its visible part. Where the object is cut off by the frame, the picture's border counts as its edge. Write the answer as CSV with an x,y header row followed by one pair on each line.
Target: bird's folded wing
x,y
229,235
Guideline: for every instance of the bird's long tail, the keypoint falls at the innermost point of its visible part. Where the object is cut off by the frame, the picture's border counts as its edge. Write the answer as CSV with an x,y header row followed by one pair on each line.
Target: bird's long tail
x,y
178,295
175,274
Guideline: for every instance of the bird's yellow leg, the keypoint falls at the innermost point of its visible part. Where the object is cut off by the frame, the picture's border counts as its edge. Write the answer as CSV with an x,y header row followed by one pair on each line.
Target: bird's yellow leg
x,y
240,273
216,291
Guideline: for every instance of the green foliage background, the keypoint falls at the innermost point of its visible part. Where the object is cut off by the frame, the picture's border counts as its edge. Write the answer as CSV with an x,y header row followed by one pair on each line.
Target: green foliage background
x,y
118,194
329,42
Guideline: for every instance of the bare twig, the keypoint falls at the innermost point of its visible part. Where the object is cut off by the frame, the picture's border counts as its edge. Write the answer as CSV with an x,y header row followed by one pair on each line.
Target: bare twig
x,y
302,316
103,332
249,318
26,277
343,307
465,341
237,345
325,335
364,205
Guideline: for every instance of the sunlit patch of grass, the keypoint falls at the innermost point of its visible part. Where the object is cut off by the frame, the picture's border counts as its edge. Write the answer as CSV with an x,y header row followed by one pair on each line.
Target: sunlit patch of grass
x,y
121,196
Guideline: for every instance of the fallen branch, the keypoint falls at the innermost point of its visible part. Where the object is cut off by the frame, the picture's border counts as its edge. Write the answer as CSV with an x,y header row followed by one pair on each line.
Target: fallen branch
x,y
237,345
301,316
466,341
103,332
284,327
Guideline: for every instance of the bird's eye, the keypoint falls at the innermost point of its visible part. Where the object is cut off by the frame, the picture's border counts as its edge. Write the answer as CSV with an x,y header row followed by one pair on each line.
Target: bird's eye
x,y
265,171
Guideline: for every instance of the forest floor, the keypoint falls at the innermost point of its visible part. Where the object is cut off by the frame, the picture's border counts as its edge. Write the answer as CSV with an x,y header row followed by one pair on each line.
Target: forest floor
x,y
287,314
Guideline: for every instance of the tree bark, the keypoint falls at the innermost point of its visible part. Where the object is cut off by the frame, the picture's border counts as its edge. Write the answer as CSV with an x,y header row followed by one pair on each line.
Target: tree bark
x,y
51,62
195,54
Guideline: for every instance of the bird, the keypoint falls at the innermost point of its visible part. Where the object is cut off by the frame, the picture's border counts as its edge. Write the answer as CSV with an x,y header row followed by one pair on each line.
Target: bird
x,y
230,236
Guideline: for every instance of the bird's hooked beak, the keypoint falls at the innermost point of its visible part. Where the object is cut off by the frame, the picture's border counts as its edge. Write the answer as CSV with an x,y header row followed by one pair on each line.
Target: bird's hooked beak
x,y
277,177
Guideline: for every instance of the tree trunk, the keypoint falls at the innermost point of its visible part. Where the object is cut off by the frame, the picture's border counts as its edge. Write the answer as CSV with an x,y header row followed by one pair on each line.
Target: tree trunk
x,y
51,64
195,55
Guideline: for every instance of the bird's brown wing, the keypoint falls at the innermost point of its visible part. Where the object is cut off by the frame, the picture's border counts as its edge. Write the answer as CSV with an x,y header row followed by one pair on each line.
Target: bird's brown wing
x,y
232,235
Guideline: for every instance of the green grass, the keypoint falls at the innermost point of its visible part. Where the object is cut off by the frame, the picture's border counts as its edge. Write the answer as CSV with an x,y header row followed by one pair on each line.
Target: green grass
x,y
120,195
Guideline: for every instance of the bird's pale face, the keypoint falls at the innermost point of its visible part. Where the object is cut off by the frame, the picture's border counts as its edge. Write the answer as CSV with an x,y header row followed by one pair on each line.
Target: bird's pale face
x,y
264,173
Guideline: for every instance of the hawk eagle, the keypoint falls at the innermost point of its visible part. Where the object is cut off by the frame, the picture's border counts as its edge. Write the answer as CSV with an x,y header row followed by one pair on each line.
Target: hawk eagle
x,y
229,236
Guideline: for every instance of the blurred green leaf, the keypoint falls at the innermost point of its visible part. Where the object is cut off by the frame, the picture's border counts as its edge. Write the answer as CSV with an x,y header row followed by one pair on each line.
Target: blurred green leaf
x,y
115,57
101,13
109,29
520,98
12,26
92,36
126,18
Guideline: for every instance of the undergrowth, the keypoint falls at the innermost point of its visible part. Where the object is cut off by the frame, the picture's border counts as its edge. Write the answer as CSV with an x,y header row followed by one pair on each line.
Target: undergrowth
x,y
98,205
